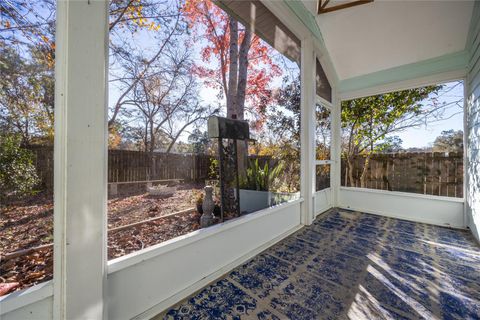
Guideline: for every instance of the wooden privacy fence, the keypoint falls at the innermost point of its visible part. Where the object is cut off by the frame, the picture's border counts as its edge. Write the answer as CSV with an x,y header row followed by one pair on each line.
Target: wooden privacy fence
x,y
433,173
126,166
132,166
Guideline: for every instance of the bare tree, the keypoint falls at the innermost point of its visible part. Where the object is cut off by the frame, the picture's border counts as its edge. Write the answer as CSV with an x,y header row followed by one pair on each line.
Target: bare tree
x,y
163,100
125,48
28,28
196,115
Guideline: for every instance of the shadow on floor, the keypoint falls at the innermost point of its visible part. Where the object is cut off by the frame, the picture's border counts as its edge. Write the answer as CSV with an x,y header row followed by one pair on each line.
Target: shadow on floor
x,y
350,265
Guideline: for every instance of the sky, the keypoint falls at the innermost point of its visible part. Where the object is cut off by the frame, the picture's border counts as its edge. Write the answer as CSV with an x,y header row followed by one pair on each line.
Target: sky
x,y
145,41
414,137
425,135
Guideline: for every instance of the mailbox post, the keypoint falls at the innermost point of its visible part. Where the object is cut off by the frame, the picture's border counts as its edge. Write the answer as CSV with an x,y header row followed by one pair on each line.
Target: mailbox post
x,y
234,130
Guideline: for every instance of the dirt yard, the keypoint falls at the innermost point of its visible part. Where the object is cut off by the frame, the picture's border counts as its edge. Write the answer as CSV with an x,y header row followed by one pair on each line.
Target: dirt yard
x,y
27,224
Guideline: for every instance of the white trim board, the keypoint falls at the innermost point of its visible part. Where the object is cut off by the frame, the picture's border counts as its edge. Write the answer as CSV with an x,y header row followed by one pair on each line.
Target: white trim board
x,y
323,201
152,284
26,297
405,84
38,310
443,211
37,302
133,258
211,278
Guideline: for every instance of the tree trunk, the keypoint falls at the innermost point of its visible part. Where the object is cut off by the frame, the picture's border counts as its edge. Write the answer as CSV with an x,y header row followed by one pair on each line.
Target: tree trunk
x,y
385,175
151,150
233,70
26,135
350,171
242,146
364,171
242,73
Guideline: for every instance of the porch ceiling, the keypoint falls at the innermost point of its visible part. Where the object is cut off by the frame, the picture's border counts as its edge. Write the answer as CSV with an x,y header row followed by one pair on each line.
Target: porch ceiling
x,y
388,33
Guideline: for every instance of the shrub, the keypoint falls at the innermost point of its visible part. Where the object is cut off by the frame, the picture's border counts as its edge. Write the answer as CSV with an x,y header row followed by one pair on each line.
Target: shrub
x,y
214,169
258,178
18,176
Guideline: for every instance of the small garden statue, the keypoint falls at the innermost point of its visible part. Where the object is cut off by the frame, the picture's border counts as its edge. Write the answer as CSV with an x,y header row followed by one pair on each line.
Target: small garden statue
x,y
208,205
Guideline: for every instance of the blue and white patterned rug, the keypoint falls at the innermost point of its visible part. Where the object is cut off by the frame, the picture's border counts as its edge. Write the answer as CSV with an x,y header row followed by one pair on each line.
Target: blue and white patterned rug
x,y
350,265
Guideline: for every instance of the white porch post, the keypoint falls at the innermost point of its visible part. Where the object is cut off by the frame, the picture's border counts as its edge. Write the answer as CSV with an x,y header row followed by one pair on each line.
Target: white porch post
x,y
307,130
335,179
80,159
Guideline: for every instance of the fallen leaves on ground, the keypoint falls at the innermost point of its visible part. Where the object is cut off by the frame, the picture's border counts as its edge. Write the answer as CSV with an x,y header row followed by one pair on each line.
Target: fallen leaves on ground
x,y
29,224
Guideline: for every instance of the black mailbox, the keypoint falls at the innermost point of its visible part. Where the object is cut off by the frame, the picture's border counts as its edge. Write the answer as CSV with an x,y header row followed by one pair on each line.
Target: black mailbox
x,y
224,128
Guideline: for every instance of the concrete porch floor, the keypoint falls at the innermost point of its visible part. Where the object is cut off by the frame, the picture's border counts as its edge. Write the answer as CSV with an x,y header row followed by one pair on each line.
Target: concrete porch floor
x,y
350,265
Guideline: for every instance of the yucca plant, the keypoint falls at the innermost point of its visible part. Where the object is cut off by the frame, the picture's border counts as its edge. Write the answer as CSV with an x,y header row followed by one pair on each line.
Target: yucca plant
x,y
258,178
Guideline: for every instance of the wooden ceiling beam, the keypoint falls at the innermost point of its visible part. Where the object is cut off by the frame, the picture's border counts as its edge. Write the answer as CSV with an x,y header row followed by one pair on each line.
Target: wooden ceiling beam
x,y
324,9
324,4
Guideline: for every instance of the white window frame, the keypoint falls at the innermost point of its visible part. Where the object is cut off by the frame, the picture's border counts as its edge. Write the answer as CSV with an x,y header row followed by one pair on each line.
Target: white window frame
x,y
329,106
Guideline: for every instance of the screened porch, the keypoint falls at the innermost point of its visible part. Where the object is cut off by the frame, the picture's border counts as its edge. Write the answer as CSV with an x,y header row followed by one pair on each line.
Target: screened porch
x,y
367,128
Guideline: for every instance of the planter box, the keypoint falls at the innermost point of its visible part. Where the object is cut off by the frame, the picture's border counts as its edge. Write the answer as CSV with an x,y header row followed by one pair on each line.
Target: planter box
x,y
161,191
252,200
283,197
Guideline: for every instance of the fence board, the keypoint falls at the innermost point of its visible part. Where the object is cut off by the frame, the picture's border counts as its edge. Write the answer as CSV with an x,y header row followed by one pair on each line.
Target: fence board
x,y
130,166
417,172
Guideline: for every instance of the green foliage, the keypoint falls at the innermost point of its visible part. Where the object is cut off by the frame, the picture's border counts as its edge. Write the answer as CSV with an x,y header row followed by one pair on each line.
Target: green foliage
x,y
283,122
391,144
199,141
449,141
214,169
26,96
367,121
17,172
322,132
258,178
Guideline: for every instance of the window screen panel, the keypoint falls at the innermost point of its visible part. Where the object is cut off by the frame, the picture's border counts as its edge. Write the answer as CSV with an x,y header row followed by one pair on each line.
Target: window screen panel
x,y
324,89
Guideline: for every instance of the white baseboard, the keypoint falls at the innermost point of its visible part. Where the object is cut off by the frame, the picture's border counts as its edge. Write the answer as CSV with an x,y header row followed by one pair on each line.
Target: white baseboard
x,y
155,310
